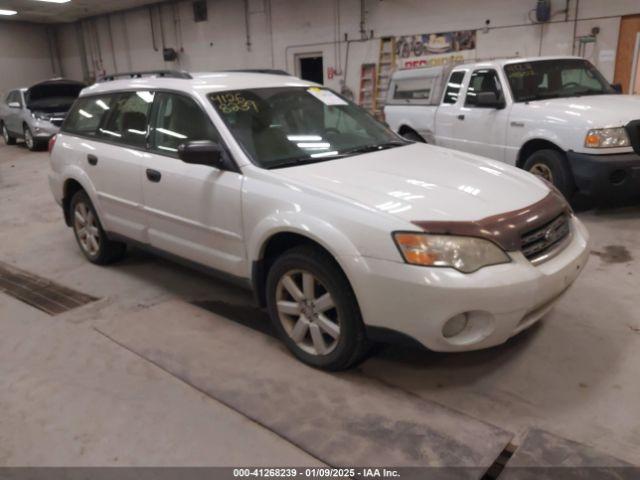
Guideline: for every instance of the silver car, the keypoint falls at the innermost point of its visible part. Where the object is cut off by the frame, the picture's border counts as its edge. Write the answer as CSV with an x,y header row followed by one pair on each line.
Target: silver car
x,y
35,114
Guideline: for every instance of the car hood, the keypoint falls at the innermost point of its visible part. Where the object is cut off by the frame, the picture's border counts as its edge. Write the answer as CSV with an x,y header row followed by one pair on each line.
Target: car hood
x,y
53,94
595,111
421,182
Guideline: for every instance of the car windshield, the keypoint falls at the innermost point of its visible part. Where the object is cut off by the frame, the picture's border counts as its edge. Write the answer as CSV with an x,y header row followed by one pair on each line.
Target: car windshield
x,y
287,126
543,79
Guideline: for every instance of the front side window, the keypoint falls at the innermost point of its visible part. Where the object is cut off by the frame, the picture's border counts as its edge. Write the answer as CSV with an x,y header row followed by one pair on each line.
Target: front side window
x,y
286,126
544,79
482,81
128,122
178,120
453,88
87,114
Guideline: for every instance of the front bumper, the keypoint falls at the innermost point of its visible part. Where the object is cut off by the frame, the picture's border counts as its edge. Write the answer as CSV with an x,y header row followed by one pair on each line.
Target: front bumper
x,y
500,300
43,130
616,176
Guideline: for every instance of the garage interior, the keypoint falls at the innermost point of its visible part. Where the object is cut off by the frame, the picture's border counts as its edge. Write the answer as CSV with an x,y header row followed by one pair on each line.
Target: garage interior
x,y
151,363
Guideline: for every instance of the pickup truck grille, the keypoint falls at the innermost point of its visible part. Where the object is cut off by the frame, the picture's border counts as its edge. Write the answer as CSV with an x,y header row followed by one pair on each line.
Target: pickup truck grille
x,y
538,243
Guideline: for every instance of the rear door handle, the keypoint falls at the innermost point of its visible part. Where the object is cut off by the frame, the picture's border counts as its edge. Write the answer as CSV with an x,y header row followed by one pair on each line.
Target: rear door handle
x,y
461,117
92,159
153,175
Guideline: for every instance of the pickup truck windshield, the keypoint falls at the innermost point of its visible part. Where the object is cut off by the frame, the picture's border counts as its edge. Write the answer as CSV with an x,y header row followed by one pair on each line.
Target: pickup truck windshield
x,y
543,79
287,126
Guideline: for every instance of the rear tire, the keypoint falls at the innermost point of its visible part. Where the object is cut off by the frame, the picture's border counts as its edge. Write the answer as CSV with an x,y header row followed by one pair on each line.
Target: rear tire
x,y
90,235
314,310
413,136
552,165
8,139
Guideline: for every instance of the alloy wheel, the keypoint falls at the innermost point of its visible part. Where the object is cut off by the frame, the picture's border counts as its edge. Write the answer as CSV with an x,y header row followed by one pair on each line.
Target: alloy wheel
x,y
307,312
28,138
542,170
86,227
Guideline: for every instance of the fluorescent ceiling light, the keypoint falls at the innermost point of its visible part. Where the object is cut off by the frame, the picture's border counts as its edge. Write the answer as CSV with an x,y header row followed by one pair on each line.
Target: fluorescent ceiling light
x,y
8,12
54,1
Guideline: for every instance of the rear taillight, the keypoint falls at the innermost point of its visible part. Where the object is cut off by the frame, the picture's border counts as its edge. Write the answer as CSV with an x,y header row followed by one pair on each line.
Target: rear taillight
x,y
52,143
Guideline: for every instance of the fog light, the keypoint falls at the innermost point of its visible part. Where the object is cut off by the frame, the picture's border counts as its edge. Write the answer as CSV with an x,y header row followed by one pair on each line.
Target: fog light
x,y
455,325
618,177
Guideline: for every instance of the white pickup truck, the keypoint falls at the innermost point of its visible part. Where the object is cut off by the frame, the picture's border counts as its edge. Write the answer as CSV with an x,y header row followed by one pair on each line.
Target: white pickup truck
x,y
556,117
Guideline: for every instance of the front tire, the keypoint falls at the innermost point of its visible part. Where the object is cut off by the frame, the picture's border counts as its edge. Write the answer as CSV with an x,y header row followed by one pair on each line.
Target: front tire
x,y
90,235
314,310
552,165
32,143
8,139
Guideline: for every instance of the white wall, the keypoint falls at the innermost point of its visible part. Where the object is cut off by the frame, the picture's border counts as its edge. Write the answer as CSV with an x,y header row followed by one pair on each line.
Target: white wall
x,y
24,55
303,26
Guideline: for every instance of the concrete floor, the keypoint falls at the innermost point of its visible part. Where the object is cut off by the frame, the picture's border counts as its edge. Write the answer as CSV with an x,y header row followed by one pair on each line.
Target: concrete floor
x,y
70,396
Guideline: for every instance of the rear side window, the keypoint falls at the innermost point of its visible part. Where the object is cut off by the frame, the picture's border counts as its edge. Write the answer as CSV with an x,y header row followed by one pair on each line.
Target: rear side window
x,y
454,85
413,89
128,121
178,120
87,114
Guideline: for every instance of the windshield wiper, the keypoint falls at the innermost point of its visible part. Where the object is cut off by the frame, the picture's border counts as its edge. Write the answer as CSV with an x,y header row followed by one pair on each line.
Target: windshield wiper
x,y
376,147
291,162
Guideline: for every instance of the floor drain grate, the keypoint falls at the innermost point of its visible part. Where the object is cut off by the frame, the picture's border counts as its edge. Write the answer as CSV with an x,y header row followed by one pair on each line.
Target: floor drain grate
x,y
39,292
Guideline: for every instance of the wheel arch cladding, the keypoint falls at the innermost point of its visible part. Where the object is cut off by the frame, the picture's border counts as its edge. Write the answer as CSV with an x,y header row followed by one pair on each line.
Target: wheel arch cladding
x,y
533,145
271,249
71,187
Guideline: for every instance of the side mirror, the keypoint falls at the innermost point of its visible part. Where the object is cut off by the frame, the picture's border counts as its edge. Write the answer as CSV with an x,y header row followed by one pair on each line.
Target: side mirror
x,y
617,87
202,152
489,100
14,105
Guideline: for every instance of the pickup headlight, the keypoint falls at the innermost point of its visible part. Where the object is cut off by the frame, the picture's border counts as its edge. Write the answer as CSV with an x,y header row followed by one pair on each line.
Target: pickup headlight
x,y
465,254
607,138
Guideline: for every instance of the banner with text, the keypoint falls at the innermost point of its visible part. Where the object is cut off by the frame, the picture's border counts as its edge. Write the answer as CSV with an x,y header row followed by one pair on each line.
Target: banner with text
x,y
432,49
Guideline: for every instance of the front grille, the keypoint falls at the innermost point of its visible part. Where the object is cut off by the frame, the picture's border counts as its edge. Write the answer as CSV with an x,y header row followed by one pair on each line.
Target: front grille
x,y
536,244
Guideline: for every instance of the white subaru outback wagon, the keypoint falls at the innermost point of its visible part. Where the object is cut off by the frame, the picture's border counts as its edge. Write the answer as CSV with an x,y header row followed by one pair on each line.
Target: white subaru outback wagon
x,y
347,233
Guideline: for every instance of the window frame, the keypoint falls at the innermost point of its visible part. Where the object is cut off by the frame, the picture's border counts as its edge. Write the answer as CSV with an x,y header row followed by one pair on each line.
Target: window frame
x,y
101,139
497,76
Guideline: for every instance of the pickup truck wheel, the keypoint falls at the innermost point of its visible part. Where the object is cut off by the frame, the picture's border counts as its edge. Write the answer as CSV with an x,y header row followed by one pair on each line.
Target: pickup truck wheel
x,y
413,136
91,238
314,310
552,166
8,139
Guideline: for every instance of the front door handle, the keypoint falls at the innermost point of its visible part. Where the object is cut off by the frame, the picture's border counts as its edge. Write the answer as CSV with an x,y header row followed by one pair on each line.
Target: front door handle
x,y
92,159
153,175
461,117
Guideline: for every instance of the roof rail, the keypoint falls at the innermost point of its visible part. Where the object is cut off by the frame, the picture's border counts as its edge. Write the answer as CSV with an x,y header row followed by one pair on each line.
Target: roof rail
x,y
268,71
149,73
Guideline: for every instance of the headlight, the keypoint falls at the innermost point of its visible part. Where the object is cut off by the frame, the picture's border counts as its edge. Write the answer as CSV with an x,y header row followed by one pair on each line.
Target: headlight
x,y
607,138
465,254
40,116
